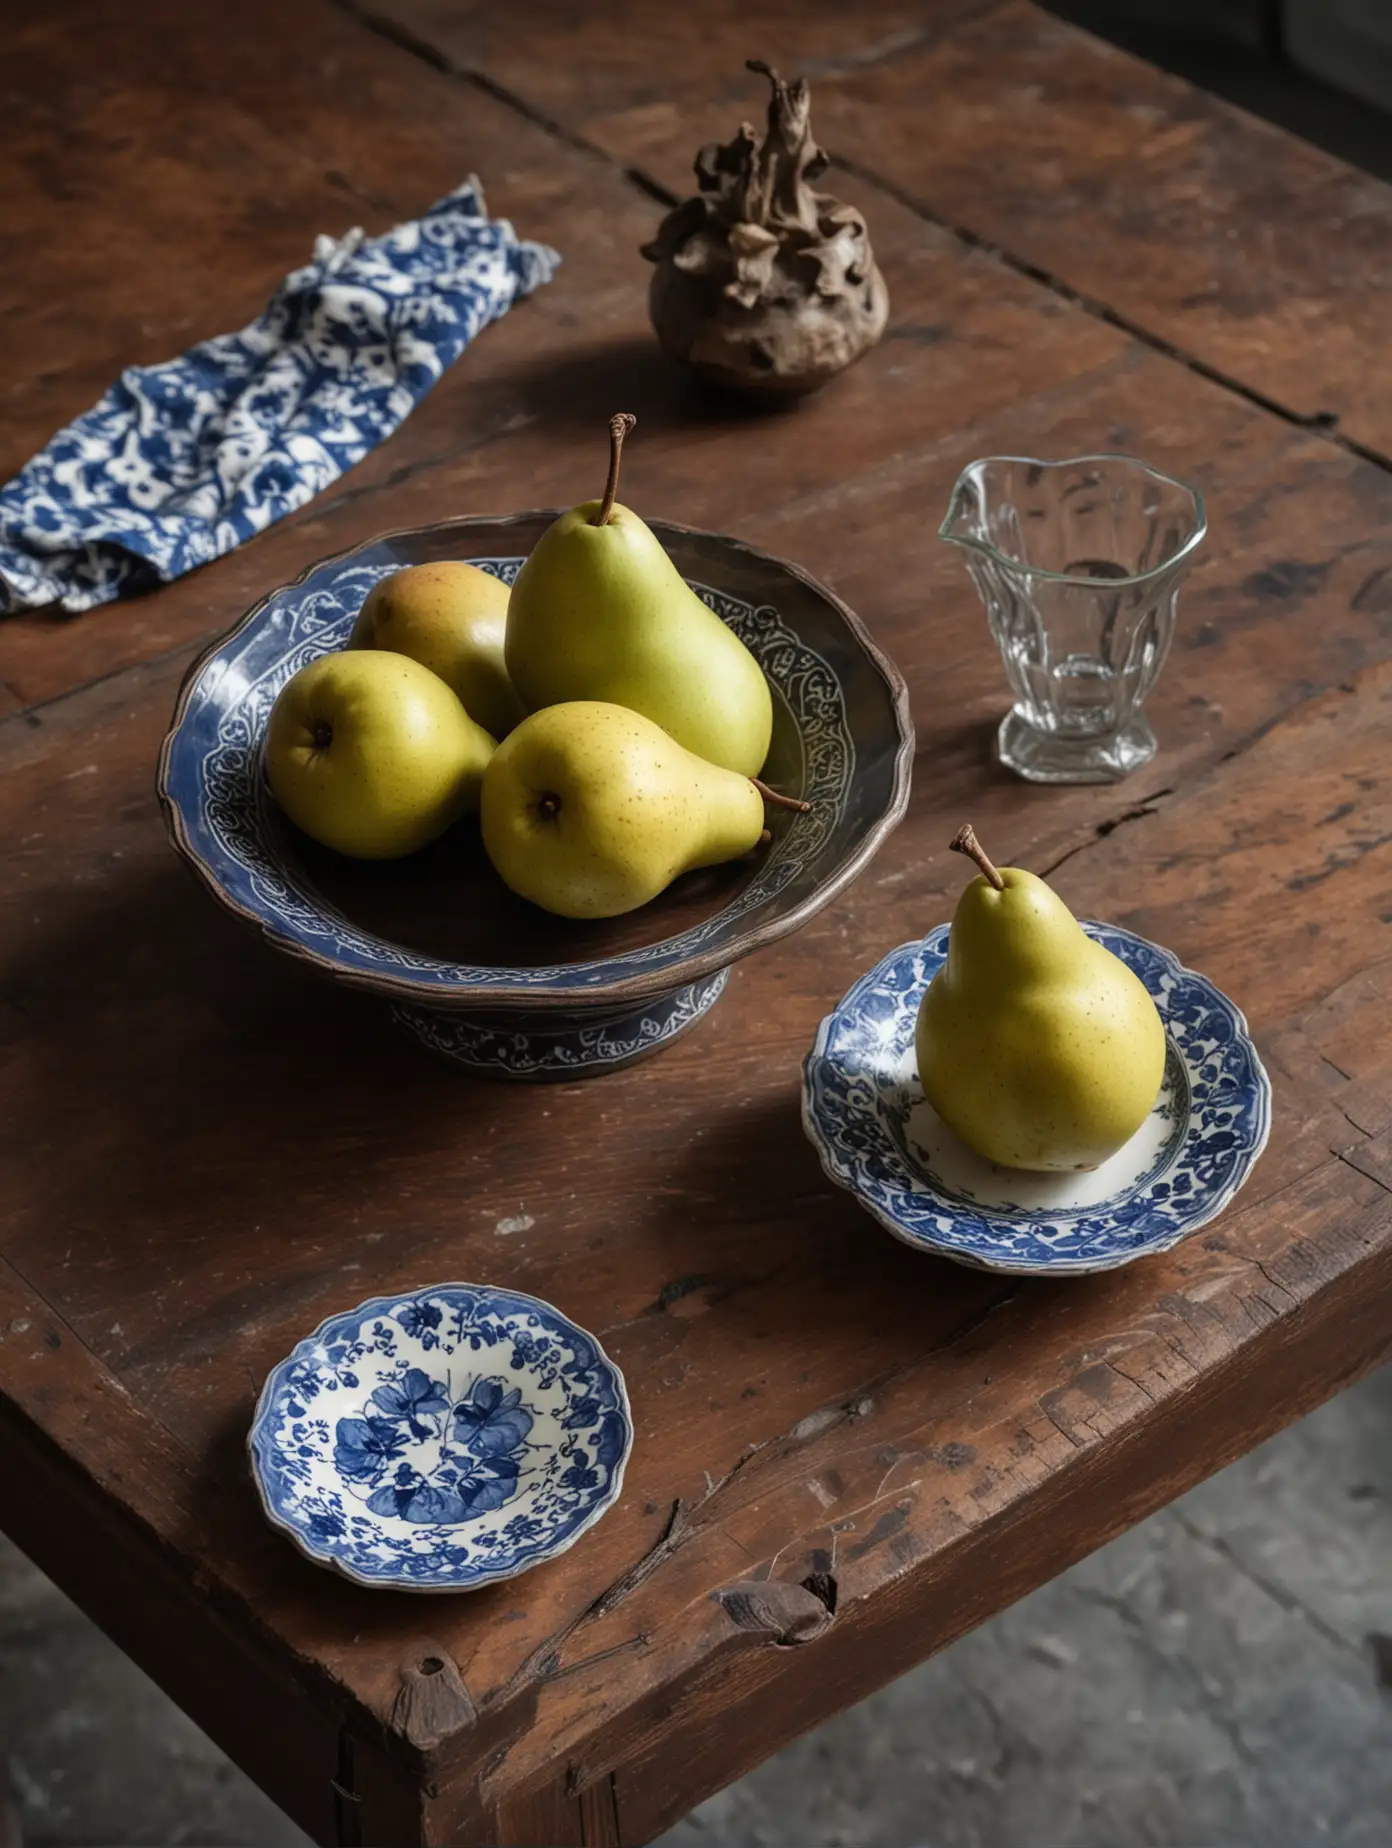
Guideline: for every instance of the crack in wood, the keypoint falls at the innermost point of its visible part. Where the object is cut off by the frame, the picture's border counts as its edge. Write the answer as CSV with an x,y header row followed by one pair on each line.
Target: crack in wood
x,y
544,1661
1275,1282
1137,812
640,1641
1131,1380
1348,1157
544,1664
1063,1430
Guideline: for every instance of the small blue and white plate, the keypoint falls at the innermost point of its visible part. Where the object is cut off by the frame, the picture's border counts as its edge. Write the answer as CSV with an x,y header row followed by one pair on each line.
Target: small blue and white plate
x,y
864,1111
442,1440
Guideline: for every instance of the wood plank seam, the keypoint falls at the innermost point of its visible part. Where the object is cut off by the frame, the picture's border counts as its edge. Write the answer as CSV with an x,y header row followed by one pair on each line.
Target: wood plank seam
x,y
405,40
1320,423
599,1813
347,1802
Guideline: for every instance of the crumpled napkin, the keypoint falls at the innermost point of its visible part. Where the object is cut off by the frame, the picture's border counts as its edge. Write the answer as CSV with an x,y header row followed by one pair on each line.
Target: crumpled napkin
x,y
181,462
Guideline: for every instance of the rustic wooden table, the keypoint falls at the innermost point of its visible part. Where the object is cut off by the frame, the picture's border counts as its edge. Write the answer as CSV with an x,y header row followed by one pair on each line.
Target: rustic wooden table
x,y
206,1151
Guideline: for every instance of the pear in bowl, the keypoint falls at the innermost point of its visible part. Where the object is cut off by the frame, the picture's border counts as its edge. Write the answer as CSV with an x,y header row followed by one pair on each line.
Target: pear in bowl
x,y
449,616
372,754
590,810
600,612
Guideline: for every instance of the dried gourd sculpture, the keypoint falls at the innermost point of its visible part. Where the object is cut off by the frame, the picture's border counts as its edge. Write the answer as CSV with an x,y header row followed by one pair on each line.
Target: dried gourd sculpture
x,y
761,284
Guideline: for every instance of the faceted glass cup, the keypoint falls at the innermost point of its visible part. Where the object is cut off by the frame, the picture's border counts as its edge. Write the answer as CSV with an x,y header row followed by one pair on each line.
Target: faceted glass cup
x,y
1078,564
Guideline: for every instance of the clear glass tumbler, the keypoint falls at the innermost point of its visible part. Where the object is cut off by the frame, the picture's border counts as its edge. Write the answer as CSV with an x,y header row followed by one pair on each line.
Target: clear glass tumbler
x,y
1078,564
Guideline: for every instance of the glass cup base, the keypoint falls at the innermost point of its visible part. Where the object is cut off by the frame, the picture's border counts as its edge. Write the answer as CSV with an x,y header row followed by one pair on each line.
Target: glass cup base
x,y
1045,757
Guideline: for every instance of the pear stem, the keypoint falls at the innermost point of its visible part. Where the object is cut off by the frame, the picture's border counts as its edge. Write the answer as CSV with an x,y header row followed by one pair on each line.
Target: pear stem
x,y
778,800
619,426
965,841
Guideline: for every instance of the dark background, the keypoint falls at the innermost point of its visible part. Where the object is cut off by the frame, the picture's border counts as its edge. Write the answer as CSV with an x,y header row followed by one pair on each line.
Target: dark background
x,y
1321,68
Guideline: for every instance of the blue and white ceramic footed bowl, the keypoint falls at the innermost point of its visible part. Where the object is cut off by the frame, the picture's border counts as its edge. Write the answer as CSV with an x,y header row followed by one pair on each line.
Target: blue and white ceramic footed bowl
x,y
877,1134
842,741
442,1440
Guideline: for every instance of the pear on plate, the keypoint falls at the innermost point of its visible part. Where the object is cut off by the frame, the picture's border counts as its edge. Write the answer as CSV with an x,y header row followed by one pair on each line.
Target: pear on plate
x,y
449,616
372,754
600,612
1036,1046
590,810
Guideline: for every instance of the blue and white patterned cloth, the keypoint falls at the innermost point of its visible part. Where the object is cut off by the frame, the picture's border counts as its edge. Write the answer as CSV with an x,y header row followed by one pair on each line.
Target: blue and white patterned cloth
x,y
181,462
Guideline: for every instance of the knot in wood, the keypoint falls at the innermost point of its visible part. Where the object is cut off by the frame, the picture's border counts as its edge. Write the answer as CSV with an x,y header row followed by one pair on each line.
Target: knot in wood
x,y
432,1701
785,1612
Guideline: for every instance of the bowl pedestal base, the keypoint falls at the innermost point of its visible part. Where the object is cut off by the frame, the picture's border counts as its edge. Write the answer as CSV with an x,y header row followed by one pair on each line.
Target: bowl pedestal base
x,y
548,1046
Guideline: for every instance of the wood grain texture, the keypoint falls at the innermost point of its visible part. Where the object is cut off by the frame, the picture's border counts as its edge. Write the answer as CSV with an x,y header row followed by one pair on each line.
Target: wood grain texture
x,y
846,1454
1258,254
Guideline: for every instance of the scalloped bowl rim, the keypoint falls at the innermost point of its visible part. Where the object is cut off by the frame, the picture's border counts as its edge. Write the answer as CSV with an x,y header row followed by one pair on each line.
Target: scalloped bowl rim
x,y
590,996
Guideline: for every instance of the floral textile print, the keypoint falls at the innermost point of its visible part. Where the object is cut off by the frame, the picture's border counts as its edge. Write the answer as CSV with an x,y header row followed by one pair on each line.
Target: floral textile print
x,y
180,462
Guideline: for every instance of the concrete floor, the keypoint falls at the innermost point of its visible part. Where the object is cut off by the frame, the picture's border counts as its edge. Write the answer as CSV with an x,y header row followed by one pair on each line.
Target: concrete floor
x,y
1211,1678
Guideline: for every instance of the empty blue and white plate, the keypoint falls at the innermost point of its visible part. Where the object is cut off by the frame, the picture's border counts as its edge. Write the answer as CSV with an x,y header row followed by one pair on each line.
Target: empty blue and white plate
x,y
442,1440
865,1112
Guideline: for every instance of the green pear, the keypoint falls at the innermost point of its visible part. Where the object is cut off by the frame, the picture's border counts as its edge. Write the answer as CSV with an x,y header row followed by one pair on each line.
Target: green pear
x,y
590,810
450,617
599,612
1036,1046
372,755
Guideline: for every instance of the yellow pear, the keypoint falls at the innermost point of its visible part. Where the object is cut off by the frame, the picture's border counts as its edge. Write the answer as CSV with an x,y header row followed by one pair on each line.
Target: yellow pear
x,y
590,810
450,617
600,612
372,755
1037,1046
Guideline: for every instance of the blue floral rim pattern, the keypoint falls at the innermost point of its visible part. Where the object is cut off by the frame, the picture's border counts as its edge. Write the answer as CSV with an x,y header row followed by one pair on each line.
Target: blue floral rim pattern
x,y
227,824
552,1051
860,1090
441,1440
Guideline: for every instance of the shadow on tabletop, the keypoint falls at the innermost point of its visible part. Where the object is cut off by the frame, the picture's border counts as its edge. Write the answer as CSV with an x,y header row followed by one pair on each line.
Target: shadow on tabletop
x,y
821,1265
234,1111
192,1105
582,387
182,1068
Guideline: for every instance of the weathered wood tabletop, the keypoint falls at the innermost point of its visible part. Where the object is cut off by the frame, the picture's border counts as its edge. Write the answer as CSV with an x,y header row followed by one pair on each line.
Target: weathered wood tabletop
x,y
206,1151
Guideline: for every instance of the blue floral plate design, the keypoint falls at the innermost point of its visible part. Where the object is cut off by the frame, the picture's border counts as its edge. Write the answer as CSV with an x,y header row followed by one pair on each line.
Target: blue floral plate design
x,y
877,1135
441,1440
842,740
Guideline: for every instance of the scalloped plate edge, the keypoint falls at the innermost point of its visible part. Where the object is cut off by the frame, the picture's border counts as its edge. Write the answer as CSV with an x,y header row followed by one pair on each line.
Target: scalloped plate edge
x,y
844,1178
377,1305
